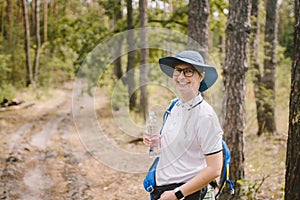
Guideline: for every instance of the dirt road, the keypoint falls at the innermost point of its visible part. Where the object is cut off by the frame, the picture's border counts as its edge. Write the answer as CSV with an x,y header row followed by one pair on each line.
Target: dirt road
x,y
42,157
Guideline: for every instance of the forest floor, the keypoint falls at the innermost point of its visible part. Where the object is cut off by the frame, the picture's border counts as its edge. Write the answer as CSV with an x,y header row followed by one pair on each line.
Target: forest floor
x,y
43,157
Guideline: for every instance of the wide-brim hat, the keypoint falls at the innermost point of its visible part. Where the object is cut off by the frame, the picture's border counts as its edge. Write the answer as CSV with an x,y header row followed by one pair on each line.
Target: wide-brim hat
x,y
167,65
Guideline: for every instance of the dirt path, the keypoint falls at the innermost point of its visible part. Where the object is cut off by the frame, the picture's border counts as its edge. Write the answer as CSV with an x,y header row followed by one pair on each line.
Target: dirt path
x,y
43,158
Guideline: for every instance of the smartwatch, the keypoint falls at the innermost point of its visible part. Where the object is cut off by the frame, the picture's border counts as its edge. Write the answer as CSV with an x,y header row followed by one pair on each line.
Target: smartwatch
x,y
179,195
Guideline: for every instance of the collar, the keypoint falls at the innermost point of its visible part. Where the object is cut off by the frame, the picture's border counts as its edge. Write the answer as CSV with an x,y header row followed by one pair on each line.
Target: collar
x,y
191,103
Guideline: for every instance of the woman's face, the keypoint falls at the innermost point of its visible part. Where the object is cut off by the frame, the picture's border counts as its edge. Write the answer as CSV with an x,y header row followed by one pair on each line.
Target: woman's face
x,y
187,80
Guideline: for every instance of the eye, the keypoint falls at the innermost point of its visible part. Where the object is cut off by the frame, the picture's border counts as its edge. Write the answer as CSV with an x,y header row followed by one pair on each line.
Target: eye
x,y
189,71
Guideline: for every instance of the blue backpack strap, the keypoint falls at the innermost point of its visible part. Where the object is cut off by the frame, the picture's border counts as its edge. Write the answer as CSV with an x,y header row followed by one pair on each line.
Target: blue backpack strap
x,y
149,181
225,174
168,111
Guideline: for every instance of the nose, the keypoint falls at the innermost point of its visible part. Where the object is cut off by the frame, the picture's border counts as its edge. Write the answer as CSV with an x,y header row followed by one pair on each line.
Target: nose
x,y
181,75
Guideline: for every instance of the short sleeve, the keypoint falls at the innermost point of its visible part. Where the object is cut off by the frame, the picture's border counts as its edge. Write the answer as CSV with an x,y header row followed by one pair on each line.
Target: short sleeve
x,y
210,134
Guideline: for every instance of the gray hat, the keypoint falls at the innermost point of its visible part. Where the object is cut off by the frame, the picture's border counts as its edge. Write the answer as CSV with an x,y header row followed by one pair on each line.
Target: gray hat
x,y
167,65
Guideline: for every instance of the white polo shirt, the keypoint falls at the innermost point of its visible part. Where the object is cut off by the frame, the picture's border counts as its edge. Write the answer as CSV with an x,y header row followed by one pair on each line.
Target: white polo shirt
x,y
192,130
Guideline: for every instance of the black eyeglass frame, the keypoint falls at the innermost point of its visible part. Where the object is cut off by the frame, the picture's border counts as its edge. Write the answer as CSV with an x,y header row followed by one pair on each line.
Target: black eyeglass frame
x,y
177,72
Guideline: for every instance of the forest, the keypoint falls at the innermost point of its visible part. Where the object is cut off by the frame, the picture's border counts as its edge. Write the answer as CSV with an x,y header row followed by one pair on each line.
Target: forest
x,y
78,78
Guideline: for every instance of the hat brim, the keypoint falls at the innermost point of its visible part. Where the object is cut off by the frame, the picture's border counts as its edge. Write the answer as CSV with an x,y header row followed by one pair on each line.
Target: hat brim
x,y
167,65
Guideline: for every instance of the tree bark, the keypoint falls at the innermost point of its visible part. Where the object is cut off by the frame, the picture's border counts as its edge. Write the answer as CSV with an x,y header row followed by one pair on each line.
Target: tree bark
x,y
234,77
255,64
38,42
268,119
31,13
10,23
118,49
131,58
51,7
292,179
45,10
2,22
29,77
143,58
198,20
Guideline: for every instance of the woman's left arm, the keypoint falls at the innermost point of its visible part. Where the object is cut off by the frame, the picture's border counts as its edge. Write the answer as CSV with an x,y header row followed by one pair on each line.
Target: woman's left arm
x,y
211,172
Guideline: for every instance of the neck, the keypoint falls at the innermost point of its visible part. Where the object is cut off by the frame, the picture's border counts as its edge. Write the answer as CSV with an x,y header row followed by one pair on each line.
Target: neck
x,y
186,98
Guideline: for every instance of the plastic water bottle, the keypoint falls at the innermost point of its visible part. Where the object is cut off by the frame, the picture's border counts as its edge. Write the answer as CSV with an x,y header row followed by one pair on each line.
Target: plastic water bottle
x,y
152,127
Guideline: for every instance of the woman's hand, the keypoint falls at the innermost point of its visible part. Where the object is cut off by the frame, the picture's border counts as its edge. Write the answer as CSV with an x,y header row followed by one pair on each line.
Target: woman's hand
x,y
168,195
147,140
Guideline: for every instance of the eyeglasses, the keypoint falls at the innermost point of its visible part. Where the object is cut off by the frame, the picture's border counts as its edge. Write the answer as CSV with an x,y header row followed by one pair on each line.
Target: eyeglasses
x,y
187,72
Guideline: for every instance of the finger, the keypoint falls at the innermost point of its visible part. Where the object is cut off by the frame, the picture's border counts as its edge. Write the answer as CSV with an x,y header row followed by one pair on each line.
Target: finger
x,y
147,141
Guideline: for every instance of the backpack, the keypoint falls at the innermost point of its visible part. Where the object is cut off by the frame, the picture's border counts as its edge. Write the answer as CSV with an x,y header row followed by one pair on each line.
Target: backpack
x,y
149,181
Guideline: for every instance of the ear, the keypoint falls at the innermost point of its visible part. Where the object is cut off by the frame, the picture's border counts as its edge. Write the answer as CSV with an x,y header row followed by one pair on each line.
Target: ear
x,y
202,75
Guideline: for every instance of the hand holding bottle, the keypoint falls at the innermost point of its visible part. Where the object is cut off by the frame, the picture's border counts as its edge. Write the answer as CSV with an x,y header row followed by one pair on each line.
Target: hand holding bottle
x,y
152,136
147,140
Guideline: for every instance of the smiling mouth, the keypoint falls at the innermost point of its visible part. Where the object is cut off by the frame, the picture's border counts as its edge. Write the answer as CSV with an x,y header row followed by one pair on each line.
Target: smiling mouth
x,y
182,84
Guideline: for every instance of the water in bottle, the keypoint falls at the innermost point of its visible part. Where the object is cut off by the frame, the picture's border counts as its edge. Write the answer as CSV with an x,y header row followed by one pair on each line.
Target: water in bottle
x,y
153,128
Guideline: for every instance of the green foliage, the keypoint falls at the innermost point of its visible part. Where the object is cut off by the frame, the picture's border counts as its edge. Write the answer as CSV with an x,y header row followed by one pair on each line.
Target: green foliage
x,y
75,28
56,65
218,19
7,92
218,13
283,78
286,26
81,33
119,95
177,20
6,89
4,60
110,7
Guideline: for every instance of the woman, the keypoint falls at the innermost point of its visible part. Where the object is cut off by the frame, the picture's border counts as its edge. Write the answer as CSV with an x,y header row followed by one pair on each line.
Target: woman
x,y
191,139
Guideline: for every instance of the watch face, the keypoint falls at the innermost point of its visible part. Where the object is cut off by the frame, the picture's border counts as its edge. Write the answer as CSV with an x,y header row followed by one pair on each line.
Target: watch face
x,y
179,194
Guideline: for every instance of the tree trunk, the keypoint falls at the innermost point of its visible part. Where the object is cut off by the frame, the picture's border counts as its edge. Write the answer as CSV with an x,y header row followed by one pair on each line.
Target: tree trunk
x,y
292,179
255,64
51,7
268,119
31,13
143,58
45,10
2,22
38,42
234,73
198,20
10,24
29,77
118,49
131,58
